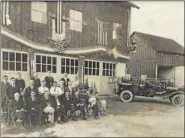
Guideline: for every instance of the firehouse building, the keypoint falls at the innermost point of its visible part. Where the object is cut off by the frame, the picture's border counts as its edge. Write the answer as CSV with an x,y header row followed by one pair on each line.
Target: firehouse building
x,y
85,39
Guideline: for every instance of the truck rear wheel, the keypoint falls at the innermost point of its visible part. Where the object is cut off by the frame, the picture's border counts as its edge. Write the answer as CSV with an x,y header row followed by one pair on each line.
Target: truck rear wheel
x,y
178,100
126,96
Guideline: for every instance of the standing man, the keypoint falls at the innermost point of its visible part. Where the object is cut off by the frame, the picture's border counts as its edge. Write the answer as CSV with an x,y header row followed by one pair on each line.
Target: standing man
x,y
65,79
19,82
29,89
49,80
57,93
43,88
4,86
37,82
11,89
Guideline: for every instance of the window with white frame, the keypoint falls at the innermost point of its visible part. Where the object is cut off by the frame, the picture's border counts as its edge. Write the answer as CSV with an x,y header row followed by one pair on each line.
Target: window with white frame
x,y
92,67
15,61
69,65
116,34
46,63
76,20
109,69
39,12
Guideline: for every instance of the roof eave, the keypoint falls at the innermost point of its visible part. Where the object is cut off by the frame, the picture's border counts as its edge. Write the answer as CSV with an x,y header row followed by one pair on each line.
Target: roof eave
x,y
133,5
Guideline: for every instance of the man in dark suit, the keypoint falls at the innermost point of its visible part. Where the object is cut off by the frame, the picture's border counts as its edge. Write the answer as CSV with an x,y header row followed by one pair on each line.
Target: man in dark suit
x,y
49,80
34,109
4,101
29,89
68,105
36,80
79,104
18,109
65,79
19,82
11,89
48,105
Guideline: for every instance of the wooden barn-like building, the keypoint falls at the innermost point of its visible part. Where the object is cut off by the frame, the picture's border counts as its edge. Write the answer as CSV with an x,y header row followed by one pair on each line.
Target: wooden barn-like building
x,y
88,39
156,57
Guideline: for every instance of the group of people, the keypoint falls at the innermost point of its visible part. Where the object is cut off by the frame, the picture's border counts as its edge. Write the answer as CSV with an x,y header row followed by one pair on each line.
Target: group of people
x,y
45,101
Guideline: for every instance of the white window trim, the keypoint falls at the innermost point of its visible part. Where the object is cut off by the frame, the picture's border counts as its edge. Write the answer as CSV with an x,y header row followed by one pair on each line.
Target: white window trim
x,y
75,59
47,55
73,20
39,11
113,70
14,51
96,68
114,31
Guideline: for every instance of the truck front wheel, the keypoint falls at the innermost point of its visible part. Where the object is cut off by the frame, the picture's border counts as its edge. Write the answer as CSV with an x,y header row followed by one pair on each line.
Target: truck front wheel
x,y
126,96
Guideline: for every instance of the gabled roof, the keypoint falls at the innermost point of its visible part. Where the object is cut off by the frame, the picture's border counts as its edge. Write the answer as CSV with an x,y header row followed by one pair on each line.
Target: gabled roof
x,y
161,44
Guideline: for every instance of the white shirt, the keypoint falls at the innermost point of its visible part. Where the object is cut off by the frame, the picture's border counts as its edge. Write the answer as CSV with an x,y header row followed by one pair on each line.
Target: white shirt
x,y
56,91
42,89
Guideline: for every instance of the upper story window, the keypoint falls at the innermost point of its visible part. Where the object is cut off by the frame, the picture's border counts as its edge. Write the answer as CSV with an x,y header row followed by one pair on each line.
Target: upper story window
x,y
14,61
109,69
92,68
76,20
46,63
116,33
39,12
102,33
69,65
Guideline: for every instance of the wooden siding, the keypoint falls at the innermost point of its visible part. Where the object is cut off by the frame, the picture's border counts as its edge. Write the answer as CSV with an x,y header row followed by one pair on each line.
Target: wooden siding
x,y
169,59
143,61
20,15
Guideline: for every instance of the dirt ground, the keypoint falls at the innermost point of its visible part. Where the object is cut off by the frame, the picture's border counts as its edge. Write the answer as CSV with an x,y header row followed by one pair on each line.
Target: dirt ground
x,y
141,118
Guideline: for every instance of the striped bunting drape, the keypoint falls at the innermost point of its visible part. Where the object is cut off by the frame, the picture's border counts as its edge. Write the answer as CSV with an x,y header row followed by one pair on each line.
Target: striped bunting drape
x,y
5,13
102,33
59,17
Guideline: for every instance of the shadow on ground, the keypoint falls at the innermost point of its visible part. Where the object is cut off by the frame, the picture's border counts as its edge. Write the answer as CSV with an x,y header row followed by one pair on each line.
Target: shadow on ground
x,y
139,104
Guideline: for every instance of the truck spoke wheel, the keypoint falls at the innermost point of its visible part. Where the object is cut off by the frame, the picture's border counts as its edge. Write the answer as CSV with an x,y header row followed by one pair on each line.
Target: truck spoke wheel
x,y
178,100
126,96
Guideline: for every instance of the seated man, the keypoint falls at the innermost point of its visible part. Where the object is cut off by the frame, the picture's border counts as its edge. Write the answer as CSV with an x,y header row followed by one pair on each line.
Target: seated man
x,y
48,104
57,93
69,106
34,109
79,104
94,106
17,109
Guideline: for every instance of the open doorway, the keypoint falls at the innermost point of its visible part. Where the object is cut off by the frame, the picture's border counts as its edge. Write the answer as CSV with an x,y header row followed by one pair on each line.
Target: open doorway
x,y
166,72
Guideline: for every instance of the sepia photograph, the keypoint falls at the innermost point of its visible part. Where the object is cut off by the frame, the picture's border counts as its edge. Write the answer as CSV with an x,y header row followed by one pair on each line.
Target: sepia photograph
x,y
92,68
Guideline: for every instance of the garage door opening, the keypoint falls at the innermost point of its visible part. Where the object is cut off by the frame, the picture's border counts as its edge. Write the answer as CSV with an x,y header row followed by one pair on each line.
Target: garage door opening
x,y
166,72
